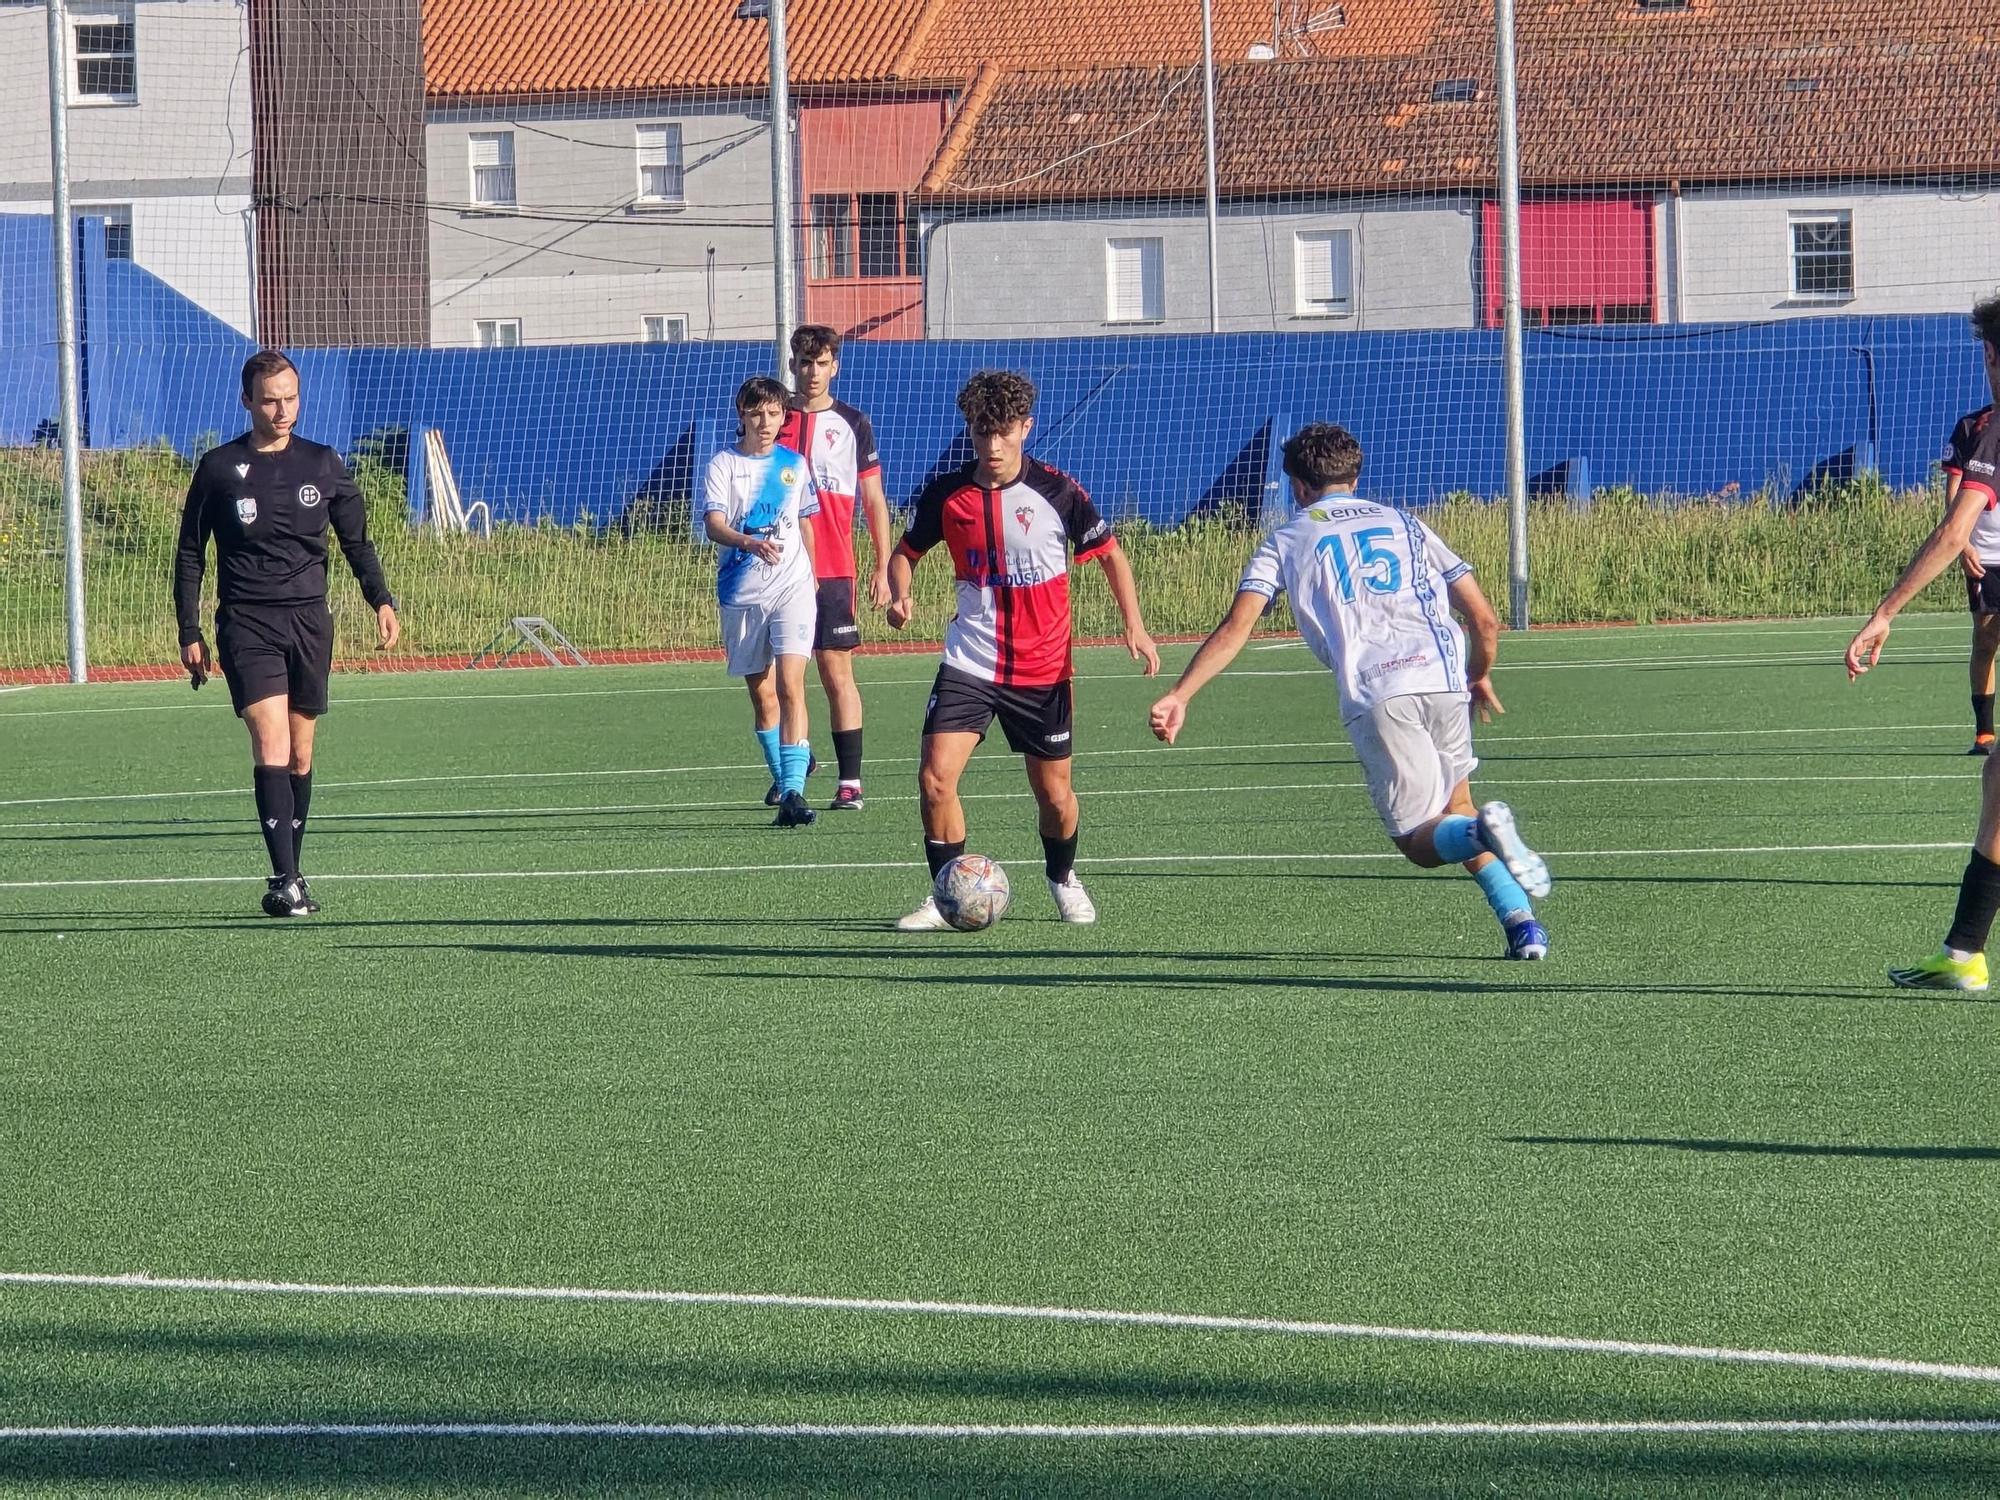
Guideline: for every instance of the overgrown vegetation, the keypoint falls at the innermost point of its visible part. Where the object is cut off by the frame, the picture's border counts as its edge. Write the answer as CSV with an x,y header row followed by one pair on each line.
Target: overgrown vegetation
x,y
1627,556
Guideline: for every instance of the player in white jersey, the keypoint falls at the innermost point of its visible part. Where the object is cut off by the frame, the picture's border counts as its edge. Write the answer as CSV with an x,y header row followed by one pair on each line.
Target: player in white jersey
x,y
755,497
1373,590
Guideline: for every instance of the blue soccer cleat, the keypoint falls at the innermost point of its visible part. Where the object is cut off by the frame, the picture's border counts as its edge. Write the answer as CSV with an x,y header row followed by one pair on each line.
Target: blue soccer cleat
x,y
1528,939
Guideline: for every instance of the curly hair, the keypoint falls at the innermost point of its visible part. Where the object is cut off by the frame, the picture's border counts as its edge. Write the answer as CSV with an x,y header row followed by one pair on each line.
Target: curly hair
x,y
994,400
811,340
1321,454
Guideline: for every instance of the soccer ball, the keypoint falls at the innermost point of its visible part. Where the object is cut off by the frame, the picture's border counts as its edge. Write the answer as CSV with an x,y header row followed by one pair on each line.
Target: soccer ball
x,y
971,892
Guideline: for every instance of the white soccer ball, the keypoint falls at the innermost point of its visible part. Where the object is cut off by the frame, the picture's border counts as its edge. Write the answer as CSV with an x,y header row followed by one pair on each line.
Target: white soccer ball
x,y
971,892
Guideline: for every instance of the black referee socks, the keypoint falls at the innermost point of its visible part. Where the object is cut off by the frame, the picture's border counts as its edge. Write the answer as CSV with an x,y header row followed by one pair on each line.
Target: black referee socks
x,y
1978,900
273,786
302,796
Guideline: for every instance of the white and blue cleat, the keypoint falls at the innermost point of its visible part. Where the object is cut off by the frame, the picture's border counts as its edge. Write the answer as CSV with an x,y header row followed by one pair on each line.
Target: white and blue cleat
x,y
1497,830
1528,939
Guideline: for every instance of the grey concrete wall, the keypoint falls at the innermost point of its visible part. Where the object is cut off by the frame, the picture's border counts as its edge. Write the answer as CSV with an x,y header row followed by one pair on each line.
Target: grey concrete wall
x,y
179,154
1042,272
579,261
1916,250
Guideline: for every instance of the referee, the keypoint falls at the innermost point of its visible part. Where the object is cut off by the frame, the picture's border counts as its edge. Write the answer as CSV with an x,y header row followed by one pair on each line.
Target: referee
x,y
267,499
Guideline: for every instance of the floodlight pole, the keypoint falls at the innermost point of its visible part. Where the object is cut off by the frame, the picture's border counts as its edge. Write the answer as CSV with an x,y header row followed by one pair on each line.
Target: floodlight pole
x,y
781,194
1208,128
1513,360
68,397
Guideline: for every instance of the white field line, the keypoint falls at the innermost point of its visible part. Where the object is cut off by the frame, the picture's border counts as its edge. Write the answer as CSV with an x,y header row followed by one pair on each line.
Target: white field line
x,y
960,1431
1484,743
1208,1322
1829,657
1019,794
806,867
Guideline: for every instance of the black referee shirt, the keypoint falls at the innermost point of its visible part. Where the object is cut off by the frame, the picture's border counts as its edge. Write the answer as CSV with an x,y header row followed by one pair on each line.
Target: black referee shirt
x,y
269,514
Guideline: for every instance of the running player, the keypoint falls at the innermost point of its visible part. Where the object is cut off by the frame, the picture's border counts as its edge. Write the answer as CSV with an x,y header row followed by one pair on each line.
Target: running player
x,y
1961,963
267,499
838,443
1981,559
754,499
1370,588
1010,524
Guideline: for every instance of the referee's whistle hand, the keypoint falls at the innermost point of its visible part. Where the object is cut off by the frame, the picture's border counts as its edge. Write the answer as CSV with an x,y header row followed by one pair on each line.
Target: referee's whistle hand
x,y
388,628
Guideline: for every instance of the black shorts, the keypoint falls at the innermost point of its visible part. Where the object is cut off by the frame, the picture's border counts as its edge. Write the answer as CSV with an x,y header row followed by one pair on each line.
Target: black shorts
x,y
267,650
1036,720
1982,594
836,630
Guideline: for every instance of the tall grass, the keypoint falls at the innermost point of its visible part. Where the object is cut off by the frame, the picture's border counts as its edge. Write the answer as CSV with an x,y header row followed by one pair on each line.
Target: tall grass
x,y
1628,556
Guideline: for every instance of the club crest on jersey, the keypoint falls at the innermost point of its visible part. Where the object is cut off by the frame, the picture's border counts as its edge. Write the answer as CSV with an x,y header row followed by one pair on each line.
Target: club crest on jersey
x,y
788,475
1025,514
308,495
246,510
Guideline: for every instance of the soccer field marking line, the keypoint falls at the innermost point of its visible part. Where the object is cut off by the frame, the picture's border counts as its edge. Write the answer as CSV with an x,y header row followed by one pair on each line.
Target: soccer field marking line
x,y
1021,1312
1484,743
961,1431
913,862
547,810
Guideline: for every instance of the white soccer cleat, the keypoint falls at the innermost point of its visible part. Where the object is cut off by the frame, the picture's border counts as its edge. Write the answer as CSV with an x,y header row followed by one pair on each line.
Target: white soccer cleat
x,y
926,918
1073,901
1499,833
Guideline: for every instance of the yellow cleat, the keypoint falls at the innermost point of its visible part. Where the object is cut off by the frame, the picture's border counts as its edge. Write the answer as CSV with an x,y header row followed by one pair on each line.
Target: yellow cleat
x,y
1942,972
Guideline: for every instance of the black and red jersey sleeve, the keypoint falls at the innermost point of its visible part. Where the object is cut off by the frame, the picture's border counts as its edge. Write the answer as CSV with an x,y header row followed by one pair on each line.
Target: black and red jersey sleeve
x,y
1964,438
926,528
1089,533
1981,469
866,460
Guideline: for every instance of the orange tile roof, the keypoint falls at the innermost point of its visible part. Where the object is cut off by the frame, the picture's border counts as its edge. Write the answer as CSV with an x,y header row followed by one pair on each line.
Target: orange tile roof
x,y
483,48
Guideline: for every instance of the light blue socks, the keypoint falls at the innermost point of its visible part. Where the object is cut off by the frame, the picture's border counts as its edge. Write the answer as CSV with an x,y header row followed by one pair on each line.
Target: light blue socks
x,y
1503,892
795,759
767,741
1457,839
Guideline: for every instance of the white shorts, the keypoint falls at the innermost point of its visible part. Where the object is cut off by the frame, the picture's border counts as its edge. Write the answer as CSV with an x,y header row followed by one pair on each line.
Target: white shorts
x,y
753,634
1414,750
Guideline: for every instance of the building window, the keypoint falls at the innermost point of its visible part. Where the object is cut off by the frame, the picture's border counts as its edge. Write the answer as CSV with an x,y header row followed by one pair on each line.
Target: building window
x,y
1135,288
117,219
660,175
492,155
499,333
663,328
1823,256
881,235
1324,262
832,236
106,48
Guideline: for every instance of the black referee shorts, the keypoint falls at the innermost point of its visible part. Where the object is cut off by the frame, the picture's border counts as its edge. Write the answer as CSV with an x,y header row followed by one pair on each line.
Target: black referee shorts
x,y
1036,720
271,650
1982,594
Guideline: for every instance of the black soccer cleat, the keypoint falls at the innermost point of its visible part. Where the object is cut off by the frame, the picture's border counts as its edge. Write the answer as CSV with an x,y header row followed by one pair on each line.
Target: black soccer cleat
x,y
307,906
776,795
285,896
847,799
794,812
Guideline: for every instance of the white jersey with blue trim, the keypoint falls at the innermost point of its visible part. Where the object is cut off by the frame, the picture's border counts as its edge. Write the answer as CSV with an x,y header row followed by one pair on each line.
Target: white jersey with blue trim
x,y
1368,588
764,496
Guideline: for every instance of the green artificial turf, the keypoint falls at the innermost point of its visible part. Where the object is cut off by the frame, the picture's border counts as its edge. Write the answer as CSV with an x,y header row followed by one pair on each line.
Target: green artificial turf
x,y
1286,1076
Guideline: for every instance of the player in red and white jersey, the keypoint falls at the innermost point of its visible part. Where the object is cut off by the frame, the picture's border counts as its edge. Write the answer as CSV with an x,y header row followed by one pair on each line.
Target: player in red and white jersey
x,y
1980,562
839,447
1010,524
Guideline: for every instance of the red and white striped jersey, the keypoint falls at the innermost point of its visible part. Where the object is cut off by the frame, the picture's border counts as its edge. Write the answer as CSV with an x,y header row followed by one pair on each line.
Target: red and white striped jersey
x,y
839,448
1010,550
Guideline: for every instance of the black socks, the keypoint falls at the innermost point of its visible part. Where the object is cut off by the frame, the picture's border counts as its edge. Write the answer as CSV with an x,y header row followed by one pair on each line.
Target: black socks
x,y
1982,713
1978,900
273,788
1059,856
937,855
302,795
847,751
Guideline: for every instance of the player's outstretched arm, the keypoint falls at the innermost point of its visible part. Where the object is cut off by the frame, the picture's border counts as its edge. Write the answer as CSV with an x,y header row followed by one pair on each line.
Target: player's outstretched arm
x,y
1125,594
1217,652
1482,644
1933,557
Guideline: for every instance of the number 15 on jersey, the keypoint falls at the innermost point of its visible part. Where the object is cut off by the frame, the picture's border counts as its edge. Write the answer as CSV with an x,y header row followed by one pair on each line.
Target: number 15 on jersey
x,y
1374,566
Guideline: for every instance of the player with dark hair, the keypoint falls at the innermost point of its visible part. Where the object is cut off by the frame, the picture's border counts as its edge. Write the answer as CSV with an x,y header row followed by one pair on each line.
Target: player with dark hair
x,y
1961,963
754,502
1374,590
268,499
1010,524
1980,561
838,444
